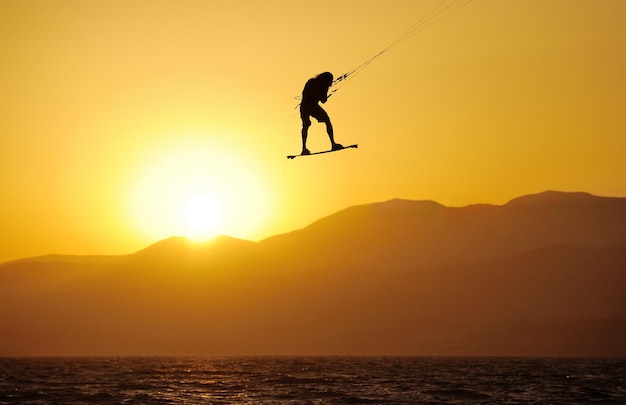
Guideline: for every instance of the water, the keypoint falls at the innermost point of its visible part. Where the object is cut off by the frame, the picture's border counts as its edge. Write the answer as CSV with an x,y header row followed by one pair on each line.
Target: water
x,y
315,380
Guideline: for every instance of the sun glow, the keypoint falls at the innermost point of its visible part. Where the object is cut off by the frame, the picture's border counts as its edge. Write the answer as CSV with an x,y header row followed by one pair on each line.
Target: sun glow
x,y
198,190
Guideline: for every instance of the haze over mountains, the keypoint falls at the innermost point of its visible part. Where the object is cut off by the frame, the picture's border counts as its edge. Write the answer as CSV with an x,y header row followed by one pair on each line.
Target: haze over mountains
x,y
544,274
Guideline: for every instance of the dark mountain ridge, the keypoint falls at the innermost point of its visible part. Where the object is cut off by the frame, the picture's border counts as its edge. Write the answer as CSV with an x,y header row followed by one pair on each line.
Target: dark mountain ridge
x,y
402,233
399,233
541,275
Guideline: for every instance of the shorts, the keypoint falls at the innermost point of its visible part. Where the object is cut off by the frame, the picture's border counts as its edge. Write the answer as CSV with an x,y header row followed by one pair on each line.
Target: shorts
x,y
315,111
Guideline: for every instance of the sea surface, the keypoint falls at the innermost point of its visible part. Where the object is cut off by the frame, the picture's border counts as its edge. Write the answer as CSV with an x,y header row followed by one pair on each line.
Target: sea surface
x,y
312,380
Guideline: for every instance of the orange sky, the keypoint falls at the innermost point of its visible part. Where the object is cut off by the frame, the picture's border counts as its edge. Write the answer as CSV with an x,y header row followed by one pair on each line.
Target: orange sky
x,y
116,114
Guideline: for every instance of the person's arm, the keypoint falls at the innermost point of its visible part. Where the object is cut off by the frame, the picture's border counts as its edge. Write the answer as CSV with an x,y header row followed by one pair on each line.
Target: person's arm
x,y
324,97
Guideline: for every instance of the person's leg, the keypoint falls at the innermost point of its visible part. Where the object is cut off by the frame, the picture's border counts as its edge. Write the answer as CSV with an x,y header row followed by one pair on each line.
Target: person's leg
x,y
329,130
322,116
331,135
306,123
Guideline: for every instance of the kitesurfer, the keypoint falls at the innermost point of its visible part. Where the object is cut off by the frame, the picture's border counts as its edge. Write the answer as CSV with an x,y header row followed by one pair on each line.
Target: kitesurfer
x,y
315,91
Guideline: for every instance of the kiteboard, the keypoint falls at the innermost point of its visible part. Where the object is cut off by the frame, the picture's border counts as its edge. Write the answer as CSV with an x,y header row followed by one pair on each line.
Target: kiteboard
x,y
324,151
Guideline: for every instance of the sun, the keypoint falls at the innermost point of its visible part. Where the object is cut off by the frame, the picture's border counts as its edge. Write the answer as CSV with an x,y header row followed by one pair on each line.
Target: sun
x,y
197,189
201,215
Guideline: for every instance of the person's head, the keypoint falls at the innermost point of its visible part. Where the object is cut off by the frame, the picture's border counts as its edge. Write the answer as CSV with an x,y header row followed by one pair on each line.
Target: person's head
x,y
327,77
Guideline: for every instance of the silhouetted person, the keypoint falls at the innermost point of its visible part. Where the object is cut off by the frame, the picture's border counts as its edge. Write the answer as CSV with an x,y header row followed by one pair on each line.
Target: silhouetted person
x,y
316,90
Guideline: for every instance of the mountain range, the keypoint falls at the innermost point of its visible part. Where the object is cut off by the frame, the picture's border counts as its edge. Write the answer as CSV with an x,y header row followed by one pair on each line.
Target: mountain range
x,y
544,274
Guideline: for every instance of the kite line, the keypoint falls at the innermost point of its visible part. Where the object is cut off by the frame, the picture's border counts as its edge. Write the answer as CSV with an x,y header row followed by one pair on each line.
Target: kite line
x,y
442,10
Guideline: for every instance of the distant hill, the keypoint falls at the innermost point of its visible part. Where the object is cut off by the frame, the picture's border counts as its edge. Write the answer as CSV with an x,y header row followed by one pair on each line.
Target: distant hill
x,y
544,274
408,234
